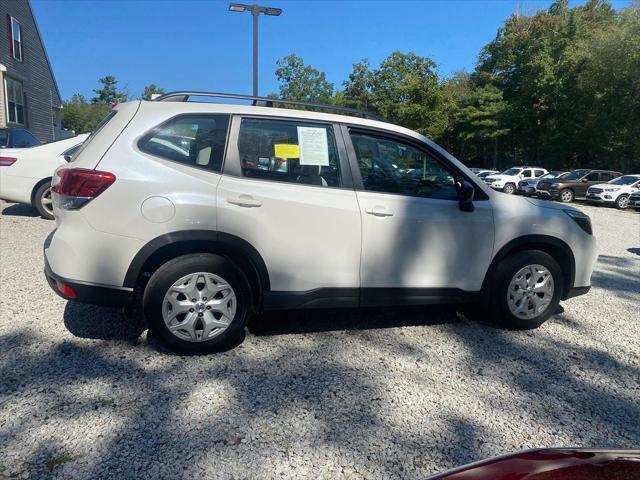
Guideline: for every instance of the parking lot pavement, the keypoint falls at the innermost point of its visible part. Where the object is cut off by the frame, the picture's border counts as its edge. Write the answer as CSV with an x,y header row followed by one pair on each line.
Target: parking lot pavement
x,y
378,393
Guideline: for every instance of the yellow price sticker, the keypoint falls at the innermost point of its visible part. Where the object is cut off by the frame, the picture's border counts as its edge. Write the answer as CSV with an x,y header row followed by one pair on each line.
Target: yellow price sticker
x,y
286,150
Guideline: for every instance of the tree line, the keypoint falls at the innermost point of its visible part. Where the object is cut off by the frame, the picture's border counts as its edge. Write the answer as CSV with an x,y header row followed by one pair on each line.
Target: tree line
x,y
559,88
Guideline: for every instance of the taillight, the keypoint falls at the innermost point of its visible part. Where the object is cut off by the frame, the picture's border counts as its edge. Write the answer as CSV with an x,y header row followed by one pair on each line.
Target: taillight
x,y
7,161
78,186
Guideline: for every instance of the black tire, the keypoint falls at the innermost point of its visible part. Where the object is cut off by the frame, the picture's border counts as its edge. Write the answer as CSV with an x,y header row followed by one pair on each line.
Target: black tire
x,y
38,199
507,269
622,202
509,189
566,196
171,272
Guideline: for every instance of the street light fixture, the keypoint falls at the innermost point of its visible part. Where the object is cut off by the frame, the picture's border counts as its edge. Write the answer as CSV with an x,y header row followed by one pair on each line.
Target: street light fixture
x,y
255,10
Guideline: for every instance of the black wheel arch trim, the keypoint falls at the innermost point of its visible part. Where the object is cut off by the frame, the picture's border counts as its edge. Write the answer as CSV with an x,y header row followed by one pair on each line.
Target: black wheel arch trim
x,y
37,186
531,242
226,242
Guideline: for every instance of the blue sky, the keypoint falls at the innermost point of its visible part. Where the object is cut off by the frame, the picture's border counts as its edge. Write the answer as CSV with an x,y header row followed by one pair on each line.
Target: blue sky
x,y
200,45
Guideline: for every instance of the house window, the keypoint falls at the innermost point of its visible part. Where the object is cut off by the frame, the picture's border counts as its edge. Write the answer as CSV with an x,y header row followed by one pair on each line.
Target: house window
x,y
15,101
16,37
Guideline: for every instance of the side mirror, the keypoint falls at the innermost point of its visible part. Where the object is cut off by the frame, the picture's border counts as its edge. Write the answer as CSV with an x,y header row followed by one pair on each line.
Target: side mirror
x,y
67,158
465,196
584,180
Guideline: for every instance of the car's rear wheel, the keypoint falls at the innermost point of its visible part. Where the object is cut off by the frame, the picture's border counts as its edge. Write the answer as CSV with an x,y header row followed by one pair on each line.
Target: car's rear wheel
x,y
42,201
526,290
622,202
566,195
198,303
509,188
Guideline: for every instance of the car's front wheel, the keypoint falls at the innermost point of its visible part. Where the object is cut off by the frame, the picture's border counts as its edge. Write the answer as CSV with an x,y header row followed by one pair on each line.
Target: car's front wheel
x,y
525,290
622,202
198,303
509,189
566,195
42,201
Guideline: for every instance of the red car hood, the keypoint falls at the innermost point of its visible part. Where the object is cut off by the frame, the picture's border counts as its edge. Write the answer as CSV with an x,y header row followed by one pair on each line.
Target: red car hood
x,y
552,464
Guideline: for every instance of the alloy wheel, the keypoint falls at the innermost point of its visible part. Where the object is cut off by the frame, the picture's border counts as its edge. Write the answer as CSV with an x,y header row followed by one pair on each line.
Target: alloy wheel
x,y
530,291
199,306
47,203
623,202
567,196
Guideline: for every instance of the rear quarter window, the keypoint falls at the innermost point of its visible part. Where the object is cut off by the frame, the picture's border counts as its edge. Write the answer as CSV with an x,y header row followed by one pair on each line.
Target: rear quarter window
x,y
196,140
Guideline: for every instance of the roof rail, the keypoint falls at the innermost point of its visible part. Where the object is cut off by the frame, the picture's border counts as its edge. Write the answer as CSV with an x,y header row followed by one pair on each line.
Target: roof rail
x,y
263,102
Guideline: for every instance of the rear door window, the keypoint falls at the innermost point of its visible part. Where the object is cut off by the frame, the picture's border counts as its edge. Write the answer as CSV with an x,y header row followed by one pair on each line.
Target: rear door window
x,y
289,151
593,177
539,173
526,174
196,140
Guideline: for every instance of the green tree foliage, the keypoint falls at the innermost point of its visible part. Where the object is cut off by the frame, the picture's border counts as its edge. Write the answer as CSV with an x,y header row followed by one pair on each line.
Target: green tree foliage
x,y
109,92
151,89
559,88
302,82
81,116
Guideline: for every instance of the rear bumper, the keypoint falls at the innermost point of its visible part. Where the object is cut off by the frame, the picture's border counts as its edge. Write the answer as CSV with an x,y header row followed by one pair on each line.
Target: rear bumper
x,y
85,292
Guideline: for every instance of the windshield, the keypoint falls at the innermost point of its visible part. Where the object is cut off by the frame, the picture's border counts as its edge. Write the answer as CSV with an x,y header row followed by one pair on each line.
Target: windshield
x,y
4,138
512,171
625,180
576,174
552,175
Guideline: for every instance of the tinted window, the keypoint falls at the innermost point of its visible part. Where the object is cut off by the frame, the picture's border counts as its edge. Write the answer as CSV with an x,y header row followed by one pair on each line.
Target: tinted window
x,y
288,151
539,173
593,177
526,173
576,174
392,166
606,176
195,140
4,138
22,139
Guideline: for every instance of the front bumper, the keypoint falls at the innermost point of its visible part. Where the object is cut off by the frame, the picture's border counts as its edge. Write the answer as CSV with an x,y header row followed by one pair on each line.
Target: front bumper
x,y
553,194
599,197
526,190
84,292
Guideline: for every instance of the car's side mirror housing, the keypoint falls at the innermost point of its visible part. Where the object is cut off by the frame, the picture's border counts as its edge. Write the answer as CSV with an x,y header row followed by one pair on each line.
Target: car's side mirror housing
x,y
67,158
466,192
584,180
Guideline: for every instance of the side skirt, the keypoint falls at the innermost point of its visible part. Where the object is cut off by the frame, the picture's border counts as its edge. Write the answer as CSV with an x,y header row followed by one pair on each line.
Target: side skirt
x,y
365,297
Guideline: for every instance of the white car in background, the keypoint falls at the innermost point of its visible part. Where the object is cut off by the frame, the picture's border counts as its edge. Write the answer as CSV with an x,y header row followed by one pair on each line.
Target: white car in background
x,y
616,191
25,173
508,180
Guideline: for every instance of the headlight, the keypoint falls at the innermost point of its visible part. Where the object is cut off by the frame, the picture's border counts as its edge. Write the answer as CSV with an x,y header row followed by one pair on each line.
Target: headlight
x,y
610,189
554,185
582,219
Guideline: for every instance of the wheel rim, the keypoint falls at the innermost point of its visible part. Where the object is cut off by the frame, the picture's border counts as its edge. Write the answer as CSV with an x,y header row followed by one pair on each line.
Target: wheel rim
x,y
566,196
623,202
509,189
199,306
46,202
530,291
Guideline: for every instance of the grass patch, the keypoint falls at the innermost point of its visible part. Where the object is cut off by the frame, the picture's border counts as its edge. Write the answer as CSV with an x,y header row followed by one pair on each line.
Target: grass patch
x,y
59,460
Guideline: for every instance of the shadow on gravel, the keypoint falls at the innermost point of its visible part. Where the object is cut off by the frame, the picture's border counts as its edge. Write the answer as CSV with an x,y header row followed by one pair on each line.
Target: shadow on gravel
x,y
634,250
310,321
619,275
20,210
90,321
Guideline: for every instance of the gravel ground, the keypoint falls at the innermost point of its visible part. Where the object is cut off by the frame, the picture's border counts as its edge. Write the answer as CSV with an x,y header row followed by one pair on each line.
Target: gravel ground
x,y
370,394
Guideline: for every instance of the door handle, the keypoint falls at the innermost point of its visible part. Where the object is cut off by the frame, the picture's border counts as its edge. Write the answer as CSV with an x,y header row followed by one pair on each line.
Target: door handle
x,y
246,201
378,212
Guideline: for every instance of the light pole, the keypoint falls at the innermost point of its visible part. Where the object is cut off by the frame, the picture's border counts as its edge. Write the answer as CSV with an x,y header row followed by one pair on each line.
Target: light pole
x,y
255,10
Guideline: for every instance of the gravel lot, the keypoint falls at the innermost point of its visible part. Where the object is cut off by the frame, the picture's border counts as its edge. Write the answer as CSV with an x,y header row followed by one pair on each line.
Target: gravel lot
x,y
369,394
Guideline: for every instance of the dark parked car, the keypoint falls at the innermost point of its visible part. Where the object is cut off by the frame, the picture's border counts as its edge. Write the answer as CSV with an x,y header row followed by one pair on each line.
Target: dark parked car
x,y
17,138
573,185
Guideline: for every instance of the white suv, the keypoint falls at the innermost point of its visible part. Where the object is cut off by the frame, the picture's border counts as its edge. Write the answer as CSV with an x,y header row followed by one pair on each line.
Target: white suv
x,y
206,212
508,180
615,192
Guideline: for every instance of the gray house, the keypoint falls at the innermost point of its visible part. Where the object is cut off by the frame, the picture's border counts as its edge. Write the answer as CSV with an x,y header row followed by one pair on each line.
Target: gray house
x,y
29,96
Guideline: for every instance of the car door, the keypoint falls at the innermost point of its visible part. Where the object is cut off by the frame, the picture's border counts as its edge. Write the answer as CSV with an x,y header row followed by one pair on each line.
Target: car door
x,y
286,191
588,180
417,245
